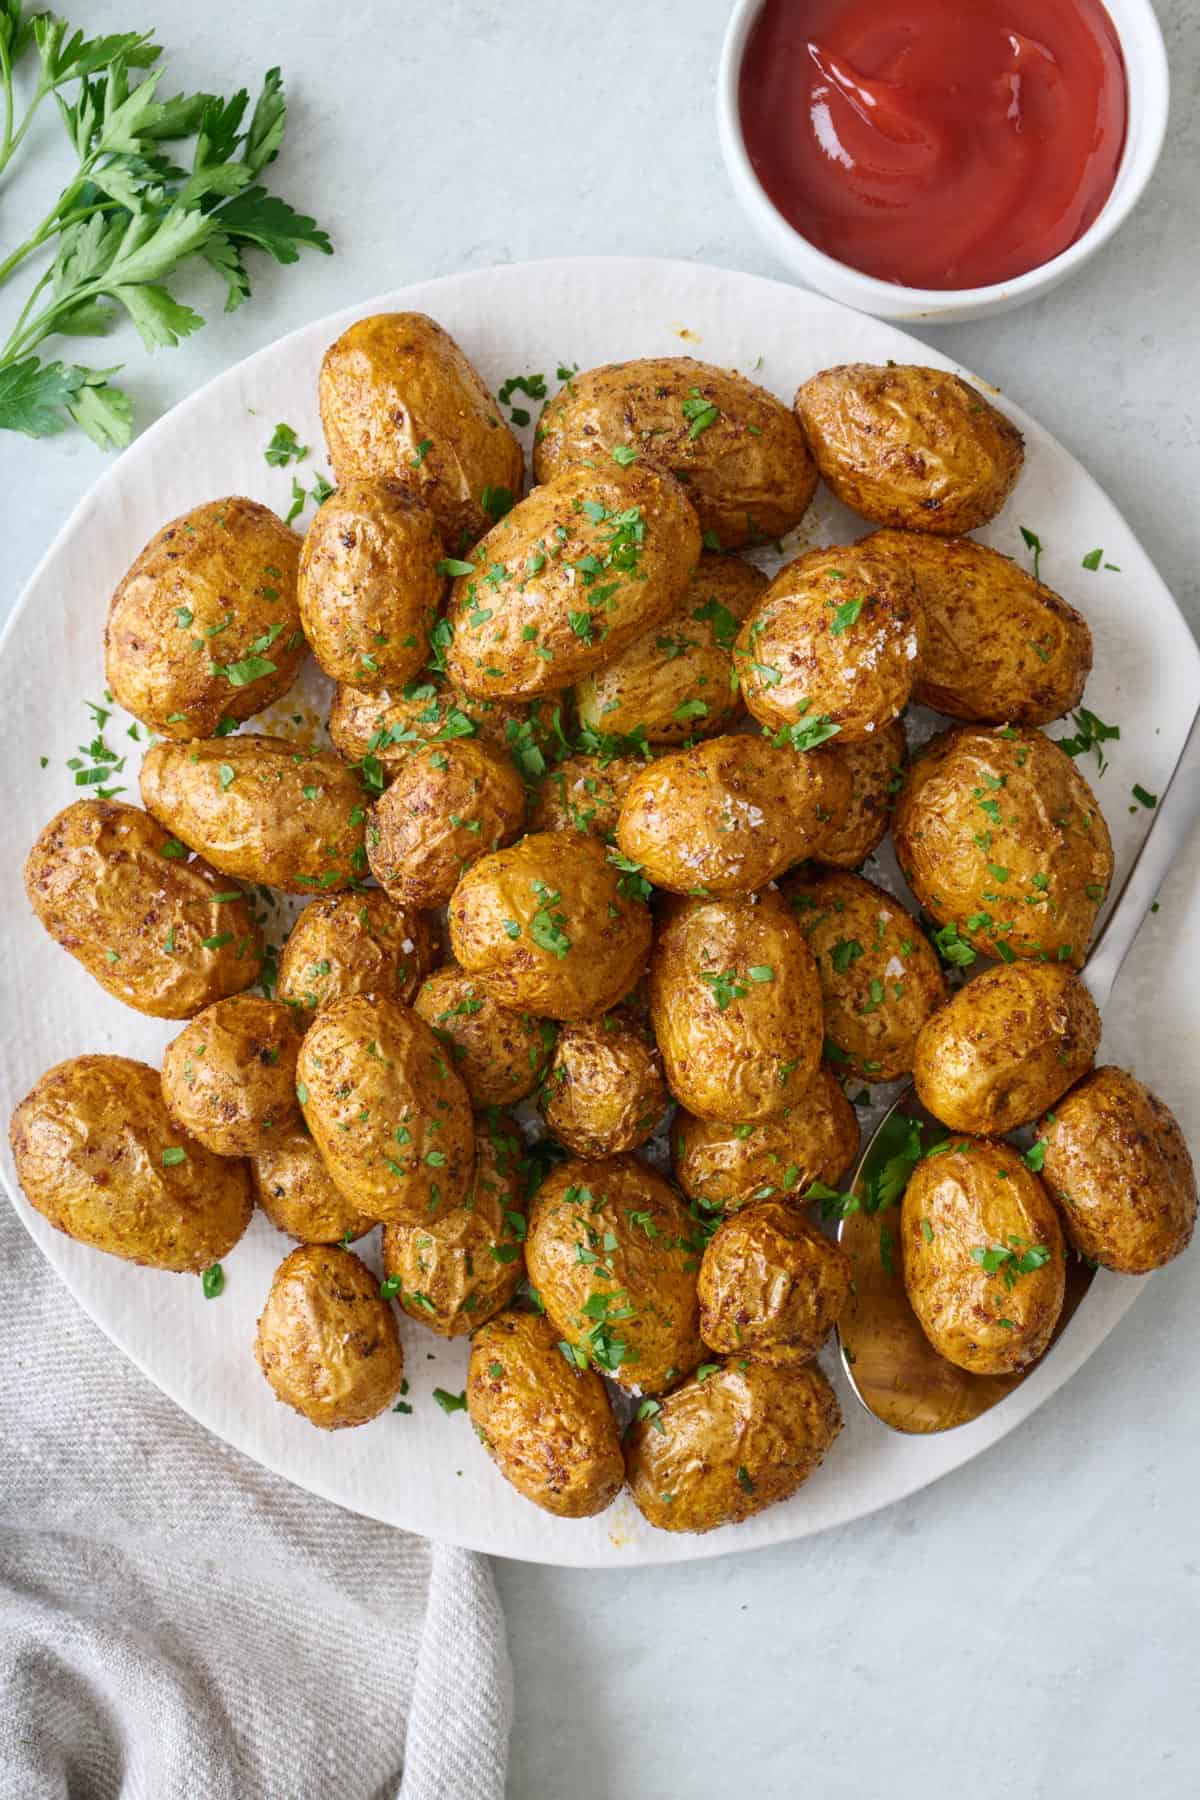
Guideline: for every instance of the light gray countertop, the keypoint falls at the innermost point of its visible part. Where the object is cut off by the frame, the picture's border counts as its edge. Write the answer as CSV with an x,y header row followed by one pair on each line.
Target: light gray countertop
x,y
1031,1625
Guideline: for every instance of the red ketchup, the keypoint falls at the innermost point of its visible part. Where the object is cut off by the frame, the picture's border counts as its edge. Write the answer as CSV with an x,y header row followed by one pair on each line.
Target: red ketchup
x,y
936,143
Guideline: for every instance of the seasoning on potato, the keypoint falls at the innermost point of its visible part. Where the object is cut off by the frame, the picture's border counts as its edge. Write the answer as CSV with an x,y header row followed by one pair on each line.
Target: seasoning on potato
x,y
584,793
293,1187
327,1343
604,1090
381,728
359,943
727,1166
499,1054
449,805
229,1078
769,1281
876,768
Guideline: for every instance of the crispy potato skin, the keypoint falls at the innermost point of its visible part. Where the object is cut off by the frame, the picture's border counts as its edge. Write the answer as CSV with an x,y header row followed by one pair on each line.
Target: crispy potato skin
x,y
915,448
204,593
500,1055
396,381
356,944
750,1059
975,1199
800,656
1119,1167
88,1143
998,647
459,1269
449,805
369,588
604,1091
547,1426
373,1067
747,470
229,1078
261,825
390,723
977,800
637,539
635,1237
293,1188
327,1343
584,793
770,1279
876,767
657,684
728,816
731,1445
880,976
1006,1047
100,884
732,1166
608,934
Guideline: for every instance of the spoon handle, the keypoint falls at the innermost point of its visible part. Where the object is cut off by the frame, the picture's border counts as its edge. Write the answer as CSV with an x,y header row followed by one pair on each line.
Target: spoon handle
x,y
1177,813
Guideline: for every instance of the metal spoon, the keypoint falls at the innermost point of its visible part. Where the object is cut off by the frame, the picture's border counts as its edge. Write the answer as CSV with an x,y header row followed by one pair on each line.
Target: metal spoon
x,y
891,1365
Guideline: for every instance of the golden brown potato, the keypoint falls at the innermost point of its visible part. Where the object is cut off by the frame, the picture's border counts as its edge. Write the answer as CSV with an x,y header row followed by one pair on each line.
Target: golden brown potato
x,y
400,401
998,647
390,1117
833,641
292,1186
917,448
356,944
737,448
736,1006
984,1263
728,1166
1001,840
676,681
550,927
385,726
204,625
1118,1165
770,1279
1006,1047
724,1446
604,1091
229,1078
98,1155
455,1271
327,1343
880,977
584,793
546,1424
449,805
726,817
499,1054
161,931
576,572
261,809
876,768
370,586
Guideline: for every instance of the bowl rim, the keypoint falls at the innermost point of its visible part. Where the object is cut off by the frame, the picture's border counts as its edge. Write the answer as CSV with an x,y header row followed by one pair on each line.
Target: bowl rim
x,y
1148,79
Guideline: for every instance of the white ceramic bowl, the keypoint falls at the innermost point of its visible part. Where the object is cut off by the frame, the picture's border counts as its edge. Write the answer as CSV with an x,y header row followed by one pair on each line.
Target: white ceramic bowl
x,y
1149,89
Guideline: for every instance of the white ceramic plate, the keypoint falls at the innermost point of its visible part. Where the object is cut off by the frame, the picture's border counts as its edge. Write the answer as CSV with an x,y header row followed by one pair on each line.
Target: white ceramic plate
x,y
424,1471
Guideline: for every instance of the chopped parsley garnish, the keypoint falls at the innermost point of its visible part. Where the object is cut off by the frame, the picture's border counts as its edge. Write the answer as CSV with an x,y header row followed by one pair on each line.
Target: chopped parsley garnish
x,y
285,448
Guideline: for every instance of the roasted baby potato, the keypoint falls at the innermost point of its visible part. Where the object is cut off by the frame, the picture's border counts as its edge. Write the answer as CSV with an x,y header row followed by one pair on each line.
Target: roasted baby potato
x,y
1001,840
834,641
880,977
984,1263
356,944
575,572
726,817
292,1186
612,1254
916,448
584,793
327,1343
548,927
728,1166
261,809
1006,1047
449,805
876,767
676,681
500,1054
721,1448
546,1424
98,1155
390,1117
998,647
1118,1165
738,450
770,1280
229,1078
204,626
604,1091
388,724
736,1006
401,402
161,931
370,587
